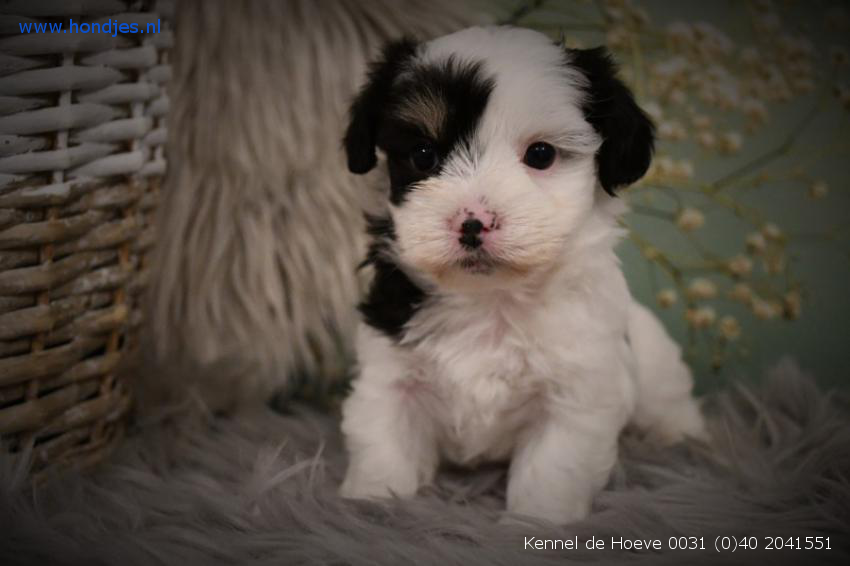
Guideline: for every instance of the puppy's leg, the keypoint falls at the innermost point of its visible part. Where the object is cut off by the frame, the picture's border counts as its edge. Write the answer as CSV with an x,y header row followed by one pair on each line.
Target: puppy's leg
x,y
389,435
666,410
563,463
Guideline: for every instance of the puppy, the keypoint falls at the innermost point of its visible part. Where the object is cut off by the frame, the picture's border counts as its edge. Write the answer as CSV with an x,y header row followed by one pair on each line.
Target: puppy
x,y
499,325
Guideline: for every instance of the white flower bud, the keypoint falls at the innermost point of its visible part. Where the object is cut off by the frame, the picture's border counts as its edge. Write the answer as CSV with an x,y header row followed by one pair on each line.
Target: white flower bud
x,y
740,265
842,92
707,139
756,243
792,304
701,317
839,55
701,121
617,37
755,110
774,263
730,142
803,84
771,231
763,309
682,169
701,288
653,109
640,16
665,165
651,253
729,328
666,298
750,56
767,22
690,219
672,130
680,33
677,96
818,190
741,292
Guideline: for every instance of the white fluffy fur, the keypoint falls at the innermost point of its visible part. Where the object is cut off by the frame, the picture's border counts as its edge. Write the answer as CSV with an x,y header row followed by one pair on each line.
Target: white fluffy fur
x,y
528,361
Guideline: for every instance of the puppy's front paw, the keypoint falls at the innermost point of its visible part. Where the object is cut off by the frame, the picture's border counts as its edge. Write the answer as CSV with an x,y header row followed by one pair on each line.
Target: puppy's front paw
x,y
351,489
549,510
512,521
360,485
677,423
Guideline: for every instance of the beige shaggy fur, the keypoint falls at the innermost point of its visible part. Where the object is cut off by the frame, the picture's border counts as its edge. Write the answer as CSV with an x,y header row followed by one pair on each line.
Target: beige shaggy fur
x,y
260,225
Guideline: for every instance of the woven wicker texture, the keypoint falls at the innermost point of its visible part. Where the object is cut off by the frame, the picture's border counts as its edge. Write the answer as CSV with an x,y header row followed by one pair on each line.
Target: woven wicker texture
x,y
82,128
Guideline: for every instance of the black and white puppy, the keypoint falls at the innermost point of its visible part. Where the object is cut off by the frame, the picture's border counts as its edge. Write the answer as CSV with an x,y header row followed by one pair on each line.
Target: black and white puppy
x,y
499,325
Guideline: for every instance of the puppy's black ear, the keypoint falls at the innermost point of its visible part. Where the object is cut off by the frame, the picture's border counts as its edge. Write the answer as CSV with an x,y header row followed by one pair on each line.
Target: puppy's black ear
x,y
366,110
627,132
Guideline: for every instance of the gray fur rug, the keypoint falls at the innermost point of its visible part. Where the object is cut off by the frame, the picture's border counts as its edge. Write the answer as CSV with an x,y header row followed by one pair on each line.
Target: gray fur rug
x,y
260,488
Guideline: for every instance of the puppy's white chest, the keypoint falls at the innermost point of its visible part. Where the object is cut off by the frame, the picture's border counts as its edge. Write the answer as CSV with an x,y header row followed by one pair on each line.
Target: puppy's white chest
x,y
486,382
482,419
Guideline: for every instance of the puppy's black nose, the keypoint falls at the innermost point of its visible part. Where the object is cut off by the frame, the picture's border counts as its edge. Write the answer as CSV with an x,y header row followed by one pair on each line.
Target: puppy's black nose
x,y
469,230
471,227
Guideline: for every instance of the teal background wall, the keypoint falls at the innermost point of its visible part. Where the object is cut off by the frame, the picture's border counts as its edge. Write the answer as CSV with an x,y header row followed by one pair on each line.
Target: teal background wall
x,y
819,338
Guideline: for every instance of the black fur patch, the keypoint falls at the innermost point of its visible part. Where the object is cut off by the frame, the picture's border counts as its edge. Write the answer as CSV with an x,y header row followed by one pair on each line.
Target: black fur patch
x,y
393,298
374,123
366,110
464,92
628,133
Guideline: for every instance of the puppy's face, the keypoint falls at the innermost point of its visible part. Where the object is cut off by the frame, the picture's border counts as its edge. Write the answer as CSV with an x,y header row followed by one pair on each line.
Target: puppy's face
x,y
497,143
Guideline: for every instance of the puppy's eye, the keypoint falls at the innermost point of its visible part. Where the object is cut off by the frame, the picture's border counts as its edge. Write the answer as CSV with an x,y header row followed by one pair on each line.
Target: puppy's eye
x,y
424,158
539,155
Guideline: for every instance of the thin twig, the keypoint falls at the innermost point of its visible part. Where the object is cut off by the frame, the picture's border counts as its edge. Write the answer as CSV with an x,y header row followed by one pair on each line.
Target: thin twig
x,y
768,156
522,11
572,26
650,211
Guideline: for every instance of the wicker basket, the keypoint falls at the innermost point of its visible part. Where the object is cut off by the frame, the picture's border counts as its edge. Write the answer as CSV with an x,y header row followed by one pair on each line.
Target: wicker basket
x,y
81,159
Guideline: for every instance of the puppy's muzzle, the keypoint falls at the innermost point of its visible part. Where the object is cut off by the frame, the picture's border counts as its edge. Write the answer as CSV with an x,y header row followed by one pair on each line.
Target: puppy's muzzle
x,y
472,225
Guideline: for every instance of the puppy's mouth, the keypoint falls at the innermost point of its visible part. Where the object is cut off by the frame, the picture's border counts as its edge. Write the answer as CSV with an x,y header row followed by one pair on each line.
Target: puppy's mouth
x,y
479,263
